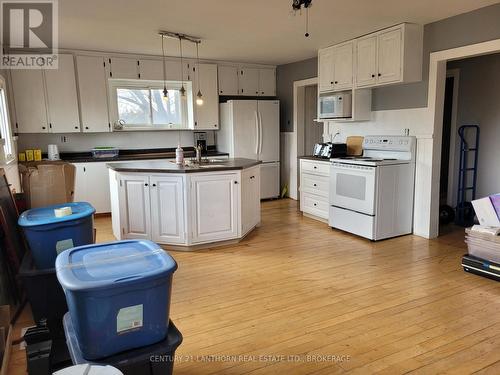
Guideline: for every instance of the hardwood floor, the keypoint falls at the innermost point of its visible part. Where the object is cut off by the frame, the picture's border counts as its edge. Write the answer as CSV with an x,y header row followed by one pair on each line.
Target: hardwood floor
x,y
296,297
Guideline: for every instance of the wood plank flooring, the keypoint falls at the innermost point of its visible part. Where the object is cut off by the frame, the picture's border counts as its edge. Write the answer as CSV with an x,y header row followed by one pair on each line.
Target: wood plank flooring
x,y
296,297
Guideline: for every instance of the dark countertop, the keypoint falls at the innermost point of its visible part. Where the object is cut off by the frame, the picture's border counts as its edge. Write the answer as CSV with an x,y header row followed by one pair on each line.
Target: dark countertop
x,y
142,154
315,158
167,166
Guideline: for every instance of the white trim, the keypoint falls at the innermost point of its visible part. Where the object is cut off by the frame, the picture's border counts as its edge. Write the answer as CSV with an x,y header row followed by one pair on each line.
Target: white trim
x,y
427,223
298,133
451,199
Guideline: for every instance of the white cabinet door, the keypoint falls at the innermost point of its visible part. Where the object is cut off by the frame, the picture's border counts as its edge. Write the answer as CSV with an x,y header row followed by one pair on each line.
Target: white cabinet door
x,y
389,56
29,101
92,85
228,80
92,185
167,209
173,70
135,209
267,82
326,65
250,199
62,102
215,205
366,61
248,81
124,68
343,67
207,114
151,69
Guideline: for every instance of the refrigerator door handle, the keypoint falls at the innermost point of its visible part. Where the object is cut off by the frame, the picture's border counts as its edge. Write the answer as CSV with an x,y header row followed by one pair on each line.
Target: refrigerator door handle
x,y
257,130
260,133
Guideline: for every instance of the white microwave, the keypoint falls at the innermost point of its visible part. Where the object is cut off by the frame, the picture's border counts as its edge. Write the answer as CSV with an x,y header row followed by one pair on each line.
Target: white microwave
x,y
335,105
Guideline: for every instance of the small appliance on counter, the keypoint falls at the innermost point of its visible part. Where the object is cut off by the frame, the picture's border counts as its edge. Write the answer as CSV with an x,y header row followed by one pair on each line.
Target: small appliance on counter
x,y
53,152
105,152
200,139
329,150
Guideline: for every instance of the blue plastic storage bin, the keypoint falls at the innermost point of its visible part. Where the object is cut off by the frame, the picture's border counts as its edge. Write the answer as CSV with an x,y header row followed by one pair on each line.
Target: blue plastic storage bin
x,y
48,235
118,295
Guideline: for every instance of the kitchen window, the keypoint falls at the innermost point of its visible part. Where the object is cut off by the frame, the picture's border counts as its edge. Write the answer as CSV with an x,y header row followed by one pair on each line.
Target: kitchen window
x,y
139,105
5,129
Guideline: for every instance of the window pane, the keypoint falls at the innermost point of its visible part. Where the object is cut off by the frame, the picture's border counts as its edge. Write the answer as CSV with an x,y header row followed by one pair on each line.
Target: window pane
x,y
134,106
166,111
5,126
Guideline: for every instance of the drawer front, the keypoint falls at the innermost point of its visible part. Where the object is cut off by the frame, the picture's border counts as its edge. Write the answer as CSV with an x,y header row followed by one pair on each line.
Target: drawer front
x,y
316,167
314,184
314,205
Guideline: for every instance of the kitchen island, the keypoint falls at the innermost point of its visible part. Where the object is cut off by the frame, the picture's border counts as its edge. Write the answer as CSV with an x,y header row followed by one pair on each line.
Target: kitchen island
x,y
186,207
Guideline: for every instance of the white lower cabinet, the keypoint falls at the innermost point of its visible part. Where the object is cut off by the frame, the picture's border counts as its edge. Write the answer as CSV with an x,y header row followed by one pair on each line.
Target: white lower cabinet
x,y
167,209
92,185
185,209
314,188
215,201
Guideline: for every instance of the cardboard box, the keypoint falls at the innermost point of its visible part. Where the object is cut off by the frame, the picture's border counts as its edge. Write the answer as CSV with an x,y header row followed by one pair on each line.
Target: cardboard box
x,y
48,184
485,212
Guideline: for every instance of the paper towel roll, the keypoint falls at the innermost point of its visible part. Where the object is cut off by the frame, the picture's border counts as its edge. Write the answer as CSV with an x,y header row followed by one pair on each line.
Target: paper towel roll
x,y
63,211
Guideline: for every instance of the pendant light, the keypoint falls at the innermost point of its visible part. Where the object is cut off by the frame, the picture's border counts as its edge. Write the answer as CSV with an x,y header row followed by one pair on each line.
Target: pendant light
x,y
165,91
199,95
182,90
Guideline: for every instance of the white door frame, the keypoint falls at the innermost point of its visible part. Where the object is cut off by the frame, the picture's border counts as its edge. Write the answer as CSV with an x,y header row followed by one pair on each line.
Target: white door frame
x,y
427,191
296,147
451,194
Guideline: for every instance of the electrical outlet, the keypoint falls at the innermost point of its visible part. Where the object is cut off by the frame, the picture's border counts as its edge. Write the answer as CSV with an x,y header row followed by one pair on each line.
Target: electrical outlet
x,y
64,139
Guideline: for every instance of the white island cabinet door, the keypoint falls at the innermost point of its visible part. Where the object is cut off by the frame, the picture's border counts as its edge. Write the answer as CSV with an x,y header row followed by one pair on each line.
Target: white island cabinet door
x,y
167,209
135,210
215,205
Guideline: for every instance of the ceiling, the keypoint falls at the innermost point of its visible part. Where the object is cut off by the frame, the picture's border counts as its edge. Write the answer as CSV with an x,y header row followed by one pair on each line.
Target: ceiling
x,y
259,31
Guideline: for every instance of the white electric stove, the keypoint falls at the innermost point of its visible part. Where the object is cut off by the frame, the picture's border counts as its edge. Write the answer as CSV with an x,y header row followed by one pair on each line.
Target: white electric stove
x,y
372,195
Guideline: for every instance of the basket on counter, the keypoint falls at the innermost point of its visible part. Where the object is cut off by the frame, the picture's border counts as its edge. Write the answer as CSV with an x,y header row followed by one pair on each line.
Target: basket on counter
x,y
105,152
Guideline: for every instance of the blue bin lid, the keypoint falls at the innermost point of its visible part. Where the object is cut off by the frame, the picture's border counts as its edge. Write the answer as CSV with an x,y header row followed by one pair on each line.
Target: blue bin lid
x,y
112,264
45,215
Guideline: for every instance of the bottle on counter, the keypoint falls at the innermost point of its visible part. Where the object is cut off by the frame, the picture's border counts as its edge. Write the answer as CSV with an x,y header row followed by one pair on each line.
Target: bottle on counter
x,y
179,155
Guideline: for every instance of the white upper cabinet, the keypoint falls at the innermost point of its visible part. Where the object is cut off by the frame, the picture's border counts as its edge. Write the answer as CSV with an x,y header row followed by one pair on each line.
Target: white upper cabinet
x,y
123,68
92,85
207,115
326,63
151,69
267,82
342,71
62,102
335,67
228,80
389,56
248,81
366,57
29,99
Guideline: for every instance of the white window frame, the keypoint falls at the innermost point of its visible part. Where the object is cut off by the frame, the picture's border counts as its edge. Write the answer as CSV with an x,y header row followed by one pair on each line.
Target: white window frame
x,y
5,126
187,110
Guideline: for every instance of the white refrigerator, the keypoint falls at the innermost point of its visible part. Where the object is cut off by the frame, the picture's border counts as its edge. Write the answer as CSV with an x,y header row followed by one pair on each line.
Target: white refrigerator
x,y
250,129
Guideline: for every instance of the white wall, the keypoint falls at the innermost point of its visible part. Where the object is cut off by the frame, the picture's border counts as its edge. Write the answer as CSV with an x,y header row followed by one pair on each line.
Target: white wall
x,y
123,140
478,104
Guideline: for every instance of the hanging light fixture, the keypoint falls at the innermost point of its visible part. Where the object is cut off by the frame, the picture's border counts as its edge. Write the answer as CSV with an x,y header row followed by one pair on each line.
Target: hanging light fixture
x,y
199,95
297,7
182,90
165,91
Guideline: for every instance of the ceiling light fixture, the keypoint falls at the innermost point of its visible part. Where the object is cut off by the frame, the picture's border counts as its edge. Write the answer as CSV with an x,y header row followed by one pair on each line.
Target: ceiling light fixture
x,y
297,6
182,90
199,95
165,91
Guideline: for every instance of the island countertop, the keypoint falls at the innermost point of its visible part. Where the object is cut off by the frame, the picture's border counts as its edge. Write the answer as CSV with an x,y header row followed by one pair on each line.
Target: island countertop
x,y
168,166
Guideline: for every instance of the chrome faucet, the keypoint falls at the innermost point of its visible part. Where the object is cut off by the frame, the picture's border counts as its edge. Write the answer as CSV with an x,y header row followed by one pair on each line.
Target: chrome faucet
x,y
198,150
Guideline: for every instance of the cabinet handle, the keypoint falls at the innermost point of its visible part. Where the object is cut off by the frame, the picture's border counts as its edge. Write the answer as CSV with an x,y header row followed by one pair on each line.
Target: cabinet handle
x,y
315,167
87,127
50,125
221,91
236,182
146,184
315,204
215,125
331,82
373,75
262,92
76,127
380,74
43,127
154,185
315,185
257,92
252,177
336,82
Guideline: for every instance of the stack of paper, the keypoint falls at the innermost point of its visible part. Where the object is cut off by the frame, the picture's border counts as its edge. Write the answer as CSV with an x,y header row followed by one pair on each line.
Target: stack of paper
x,y
484,242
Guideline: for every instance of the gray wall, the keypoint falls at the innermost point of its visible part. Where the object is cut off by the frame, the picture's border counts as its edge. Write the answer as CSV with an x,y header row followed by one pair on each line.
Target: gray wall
x,y
286,75
478,99
467,28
